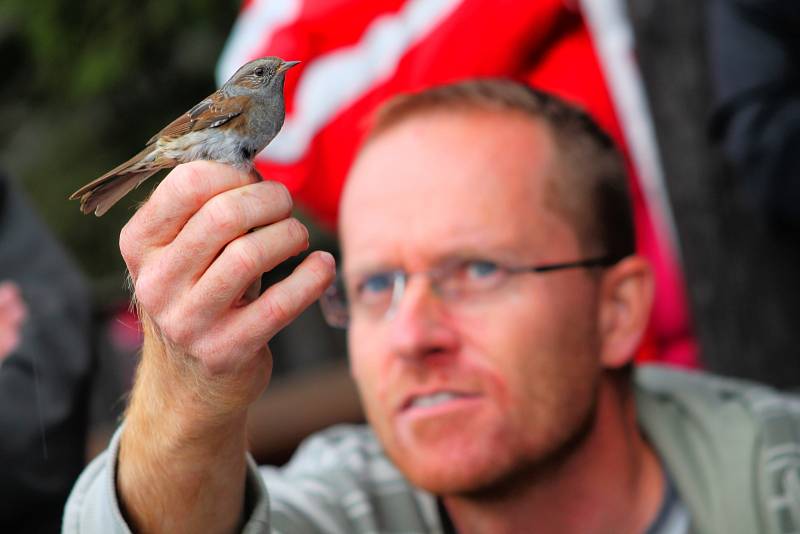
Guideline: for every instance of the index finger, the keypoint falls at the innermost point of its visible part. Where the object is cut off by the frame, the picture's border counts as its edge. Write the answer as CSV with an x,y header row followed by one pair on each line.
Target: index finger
x,y
179,196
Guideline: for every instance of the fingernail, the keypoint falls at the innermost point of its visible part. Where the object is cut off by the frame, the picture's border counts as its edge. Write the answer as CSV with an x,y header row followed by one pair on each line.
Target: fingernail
x,y
327,258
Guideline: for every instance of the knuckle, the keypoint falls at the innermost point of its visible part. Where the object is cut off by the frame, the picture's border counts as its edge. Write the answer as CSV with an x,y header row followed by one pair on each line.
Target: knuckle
x,y
223,215
218,291
278,308
177,332
127,243
189,183
148,293
244,256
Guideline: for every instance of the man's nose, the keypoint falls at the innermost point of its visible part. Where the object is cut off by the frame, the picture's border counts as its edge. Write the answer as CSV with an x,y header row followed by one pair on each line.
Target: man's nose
x,y
421,326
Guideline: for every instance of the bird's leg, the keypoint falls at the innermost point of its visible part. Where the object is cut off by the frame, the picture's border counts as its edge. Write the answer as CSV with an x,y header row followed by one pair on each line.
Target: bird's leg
x,y
255,175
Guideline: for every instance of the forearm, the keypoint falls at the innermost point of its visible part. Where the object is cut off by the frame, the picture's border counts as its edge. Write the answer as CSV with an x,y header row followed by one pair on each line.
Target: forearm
x,y
182,460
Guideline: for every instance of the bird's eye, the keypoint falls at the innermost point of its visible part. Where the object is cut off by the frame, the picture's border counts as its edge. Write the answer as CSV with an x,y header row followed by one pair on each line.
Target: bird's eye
x,y
259,72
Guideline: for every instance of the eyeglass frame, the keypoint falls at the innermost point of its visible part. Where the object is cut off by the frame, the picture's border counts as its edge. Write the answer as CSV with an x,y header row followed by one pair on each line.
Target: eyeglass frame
x,y
335,304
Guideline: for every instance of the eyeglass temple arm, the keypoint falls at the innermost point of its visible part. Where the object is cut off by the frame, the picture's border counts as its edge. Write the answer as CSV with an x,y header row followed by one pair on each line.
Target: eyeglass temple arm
x,y
603,261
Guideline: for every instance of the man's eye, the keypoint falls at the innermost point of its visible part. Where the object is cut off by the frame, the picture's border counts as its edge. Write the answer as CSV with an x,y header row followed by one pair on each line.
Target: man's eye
x,y
480,269
376,284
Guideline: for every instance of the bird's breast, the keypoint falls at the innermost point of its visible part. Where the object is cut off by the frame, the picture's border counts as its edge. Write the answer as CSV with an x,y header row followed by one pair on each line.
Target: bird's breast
x,y
265,120
223,145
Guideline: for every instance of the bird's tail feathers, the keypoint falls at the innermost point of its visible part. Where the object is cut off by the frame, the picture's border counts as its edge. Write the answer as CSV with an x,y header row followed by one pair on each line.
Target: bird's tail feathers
x,y
100,199
99,195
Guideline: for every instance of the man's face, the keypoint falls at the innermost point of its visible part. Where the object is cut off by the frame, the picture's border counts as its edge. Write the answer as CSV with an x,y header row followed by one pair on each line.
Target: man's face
x,y
516,369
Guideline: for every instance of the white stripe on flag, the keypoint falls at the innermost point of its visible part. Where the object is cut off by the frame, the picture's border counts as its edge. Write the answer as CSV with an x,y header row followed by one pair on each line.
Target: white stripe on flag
x,y
613,39
337,79
253,27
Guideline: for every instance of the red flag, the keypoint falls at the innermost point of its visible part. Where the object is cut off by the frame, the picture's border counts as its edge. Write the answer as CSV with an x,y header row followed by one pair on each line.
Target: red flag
x,y
357,53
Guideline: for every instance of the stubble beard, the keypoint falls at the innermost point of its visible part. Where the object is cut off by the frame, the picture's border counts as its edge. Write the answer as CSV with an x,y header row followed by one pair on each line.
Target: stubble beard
x,y
536,469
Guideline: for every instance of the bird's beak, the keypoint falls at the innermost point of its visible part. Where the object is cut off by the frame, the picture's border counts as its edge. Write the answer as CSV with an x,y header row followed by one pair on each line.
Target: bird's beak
x,y
286,65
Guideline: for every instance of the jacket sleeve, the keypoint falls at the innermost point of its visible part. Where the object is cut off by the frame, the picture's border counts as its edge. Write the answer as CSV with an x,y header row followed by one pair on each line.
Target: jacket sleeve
x,y
93,506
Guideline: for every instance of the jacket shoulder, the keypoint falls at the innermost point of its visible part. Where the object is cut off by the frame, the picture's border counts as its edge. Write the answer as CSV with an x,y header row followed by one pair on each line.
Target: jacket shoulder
x,y
732,447
340,480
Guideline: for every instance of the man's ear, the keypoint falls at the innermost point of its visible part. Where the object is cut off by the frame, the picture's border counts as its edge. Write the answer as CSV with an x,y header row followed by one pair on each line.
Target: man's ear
x,y
626,297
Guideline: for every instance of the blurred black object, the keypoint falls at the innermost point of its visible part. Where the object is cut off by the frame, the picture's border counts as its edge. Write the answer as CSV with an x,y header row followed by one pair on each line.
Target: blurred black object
x,y
44,381
755,61
742,276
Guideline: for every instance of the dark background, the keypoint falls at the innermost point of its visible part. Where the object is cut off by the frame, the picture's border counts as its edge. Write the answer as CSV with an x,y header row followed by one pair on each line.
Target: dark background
x,y
84,85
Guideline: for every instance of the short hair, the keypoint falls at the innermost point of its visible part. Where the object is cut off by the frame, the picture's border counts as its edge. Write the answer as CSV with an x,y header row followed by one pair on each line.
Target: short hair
x,y
591,192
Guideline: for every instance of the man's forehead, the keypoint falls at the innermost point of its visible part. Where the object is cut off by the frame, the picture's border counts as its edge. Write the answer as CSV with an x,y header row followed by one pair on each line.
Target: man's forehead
x,y
481,150
462,177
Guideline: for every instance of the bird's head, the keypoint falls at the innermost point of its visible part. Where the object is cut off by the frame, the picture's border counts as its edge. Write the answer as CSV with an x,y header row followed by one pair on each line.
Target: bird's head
x,y
259,74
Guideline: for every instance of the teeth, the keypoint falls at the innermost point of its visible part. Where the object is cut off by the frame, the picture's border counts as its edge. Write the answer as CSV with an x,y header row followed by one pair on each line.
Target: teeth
x,y
426,401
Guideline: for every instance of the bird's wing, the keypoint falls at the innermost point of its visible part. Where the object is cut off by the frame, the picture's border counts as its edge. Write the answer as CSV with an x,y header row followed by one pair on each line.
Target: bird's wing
x,y
212,112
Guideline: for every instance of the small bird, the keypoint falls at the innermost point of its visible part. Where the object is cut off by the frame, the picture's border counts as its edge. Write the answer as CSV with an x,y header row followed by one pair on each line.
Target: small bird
x,y
231,125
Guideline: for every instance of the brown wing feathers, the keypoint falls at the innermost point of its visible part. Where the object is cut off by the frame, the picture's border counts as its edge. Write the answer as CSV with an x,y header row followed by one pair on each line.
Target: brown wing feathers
x,y
100,194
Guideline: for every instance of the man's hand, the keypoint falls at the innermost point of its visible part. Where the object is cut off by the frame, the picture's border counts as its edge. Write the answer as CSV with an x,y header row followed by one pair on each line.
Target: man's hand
x,y
205,236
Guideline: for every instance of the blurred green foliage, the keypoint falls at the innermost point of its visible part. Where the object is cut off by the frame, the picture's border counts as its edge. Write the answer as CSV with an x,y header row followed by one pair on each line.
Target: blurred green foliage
x,y
83,86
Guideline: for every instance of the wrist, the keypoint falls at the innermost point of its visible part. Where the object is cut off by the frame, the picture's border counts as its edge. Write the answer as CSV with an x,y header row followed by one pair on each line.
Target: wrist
x,y
178,473
175,433
169,381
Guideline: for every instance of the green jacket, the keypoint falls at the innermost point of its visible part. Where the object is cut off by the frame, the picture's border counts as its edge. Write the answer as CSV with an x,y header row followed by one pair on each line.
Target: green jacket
x,y
731,447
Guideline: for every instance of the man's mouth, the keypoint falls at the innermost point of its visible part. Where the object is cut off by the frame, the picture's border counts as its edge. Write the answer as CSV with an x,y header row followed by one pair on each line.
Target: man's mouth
x,y
436,398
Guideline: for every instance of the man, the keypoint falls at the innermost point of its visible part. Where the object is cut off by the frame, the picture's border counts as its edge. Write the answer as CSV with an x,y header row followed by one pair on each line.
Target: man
x,y
494,303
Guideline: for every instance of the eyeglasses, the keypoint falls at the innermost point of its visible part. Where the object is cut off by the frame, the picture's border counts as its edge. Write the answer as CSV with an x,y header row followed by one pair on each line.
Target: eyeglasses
x,y
375,295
